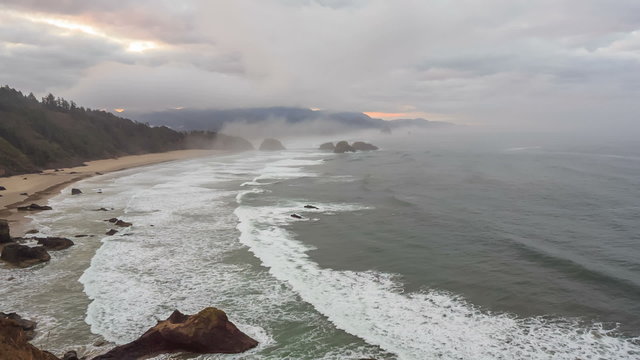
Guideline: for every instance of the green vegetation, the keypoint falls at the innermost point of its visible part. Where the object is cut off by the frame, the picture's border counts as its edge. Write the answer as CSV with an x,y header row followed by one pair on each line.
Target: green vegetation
x,y
54,132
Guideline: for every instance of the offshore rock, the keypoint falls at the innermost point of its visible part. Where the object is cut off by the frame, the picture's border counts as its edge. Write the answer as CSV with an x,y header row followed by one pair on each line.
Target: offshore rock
x,y
343,147
271,145
327,146
207,332
75,191
33,207
14,344
55,243
5,236
23,256
122,223
111,232
363,146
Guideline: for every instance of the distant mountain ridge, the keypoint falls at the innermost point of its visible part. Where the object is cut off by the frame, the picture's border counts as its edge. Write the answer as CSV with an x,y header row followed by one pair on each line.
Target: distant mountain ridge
x,y
216,120
55,132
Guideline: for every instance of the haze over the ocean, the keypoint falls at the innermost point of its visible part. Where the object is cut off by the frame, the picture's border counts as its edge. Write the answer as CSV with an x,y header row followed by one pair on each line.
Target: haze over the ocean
x,y
542,65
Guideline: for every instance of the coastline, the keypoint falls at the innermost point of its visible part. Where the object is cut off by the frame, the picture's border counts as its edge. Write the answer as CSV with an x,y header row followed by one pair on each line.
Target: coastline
x,y
40,187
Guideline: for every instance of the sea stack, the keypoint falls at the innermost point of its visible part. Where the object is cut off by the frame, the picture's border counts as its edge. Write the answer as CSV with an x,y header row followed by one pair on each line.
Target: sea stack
x,y
327,146
271,145
363,146
343,147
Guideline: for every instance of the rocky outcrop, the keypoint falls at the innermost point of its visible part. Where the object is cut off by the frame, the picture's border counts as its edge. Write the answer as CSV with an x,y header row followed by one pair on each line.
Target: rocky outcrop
x,y
206,332
23,256
311,207
122,223
343,147
296,216
55,243
34,207
5,236
327,146
363,146
271,145
75,191
14,343
28,326
111,232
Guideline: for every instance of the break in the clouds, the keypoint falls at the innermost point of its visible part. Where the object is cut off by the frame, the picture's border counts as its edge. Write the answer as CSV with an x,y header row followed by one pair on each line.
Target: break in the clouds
x,y
548,62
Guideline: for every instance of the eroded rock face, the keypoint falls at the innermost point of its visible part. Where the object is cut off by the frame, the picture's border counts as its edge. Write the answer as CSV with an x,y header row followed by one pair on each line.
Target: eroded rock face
x,y
363,146
23,256
271,145
55,243
5,236
327,146
14,344
27,326
343,147
206,332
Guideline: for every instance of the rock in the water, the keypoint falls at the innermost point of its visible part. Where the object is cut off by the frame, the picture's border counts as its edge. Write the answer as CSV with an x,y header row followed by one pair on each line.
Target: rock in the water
x,y
24,194
70,355
207,332
2,188
80,235
55,243
23,256
5,235
296,216
343,147
14,343
111,232
28,326
122,223
75,191
33,207
327,146
271,145
103,209
363,146
33,231
311,207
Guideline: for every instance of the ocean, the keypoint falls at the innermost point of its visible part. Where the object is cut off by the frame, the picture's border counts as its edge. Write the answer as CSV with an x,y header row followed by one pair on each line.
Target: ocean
x,y
438,247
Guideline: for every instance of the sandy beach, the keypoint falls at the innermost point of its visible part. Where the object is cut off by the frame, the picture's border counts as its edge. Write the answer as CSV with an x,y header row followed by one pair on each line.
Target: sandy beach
x,y
41,186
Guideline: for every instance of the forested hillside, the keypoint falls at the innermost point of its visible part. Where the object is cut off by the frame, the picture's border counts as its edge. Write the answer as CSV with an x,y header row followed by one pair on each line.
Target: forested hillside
x,y
54,132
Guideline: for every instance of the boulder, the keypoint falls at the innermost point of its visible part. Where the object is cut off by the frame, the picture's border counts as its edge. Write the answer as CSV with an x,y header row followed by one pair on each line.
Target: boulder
x,y
2,188
5,236
122,223
327,146
296,216
271,145
363,146
75,191
28,326
343,147
112,220
32,231
23,256
111,232
70,355
311,207
55,243
14,343
207,332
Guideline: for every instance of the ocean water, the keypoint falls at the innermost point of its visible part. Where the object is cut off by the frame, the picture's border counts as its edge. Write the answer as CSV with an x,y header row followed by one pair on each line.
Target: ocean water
x,y
439,249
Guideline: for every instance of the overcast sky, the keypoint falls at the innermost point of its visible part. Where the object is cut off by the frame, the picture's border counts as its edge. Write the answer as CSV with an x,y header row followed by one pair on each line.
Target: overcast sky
x,y
484,63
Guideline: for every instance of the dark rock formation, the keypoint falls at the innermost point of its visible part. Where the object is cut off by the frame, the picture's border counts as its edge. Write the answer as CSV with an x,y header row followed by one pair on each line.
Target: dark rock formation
x,y
28,326
207,332
342,147
34,207
363,146
55,243
112,220
24,194
80,235
5,235
111,232
327,146
14,343
103,209
296,216
33,231
122,223
75,191
2,188
271,145
23,256
311,207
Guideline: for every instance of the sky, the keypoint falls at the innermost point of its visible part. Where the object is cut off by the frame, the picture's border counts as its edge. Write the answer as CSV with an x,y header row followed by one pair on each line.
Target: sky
x,y
514,63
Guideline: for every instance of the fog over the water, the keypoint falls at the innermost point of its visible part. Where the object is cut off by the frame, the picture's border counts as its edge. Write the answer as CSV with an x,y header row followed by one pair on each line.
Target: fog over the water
x,y
501,63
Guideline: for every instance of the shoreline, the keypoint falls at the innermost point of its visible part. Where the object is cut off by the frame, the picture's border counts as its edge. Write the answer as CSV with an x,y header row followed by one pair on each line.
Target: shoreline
x,y
40,187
